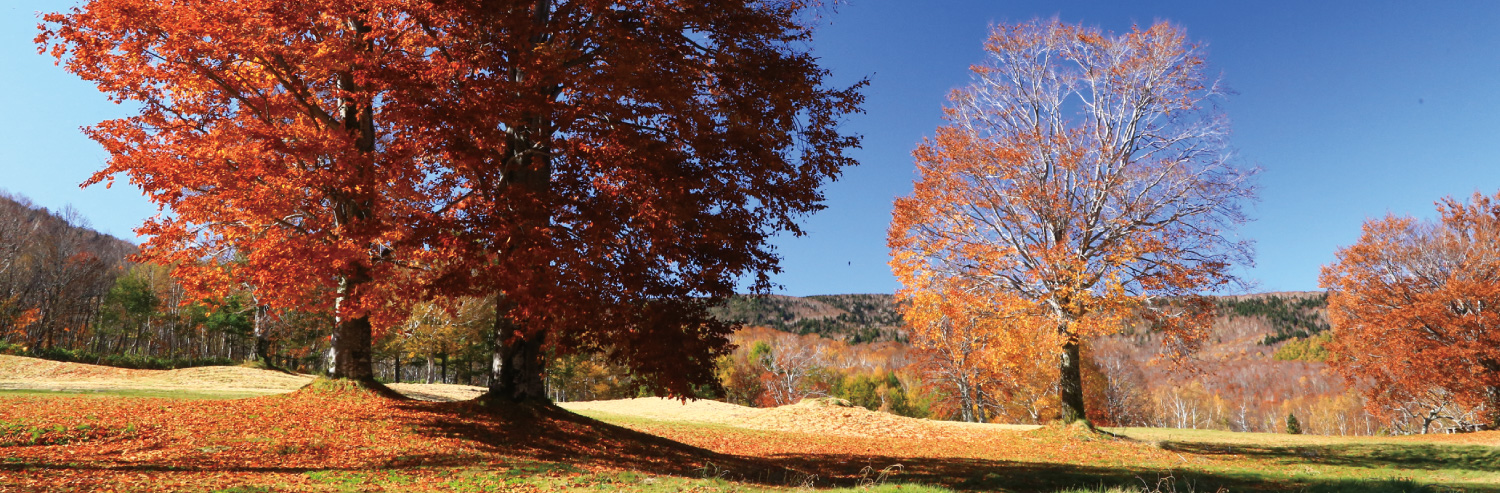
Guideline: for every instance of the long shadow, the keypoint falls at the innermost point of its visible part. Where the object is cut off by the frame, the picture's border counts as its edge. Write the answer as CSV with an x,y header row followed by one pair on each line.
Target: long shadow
x,y
1023,476
1423,456
550,433
545,432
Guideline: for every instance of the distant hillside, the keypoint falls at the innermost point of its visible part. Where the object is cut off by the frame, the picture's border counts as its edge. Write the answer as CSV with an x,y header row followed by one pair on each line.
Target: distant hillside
x,y
853,318
54,270
1294,314
857,318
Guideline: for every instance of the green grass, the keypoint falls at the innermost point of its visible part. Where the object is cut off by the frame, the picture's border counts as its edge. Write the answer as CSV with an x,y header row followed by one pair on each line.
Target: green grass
x,y
564,478
153,393
1329,463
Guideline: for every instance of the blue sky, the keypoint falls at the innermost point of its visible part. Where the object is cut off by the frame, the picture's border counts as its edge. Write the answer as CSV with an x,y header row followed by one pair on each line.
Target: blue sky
x,y
1352,109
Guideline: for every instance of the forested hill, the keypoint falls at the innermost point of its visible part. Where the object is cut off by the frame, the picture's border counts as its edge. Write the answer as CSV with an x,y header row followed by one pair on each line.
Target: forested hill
x,y
54,270
22,221
853,318
875,318
1293,314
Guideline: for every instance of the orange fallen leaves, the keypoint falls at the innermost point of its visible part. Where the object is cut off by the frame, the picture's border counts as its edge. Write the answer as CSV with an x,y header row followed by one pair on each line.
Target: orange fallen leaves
x,y
335,441
162,444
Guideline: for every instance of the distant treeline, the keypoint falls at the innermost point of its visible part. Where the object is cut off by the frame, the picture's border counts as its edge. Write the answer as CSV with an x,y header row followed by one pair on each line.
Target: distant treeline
x,y
54,274
1292,317
858,318
70,293
853,318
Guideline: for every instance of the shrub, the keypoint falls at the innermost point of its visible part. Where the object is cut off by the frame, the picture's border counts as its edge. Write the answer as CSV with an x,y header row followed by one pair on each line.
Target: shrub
x,y
1292,426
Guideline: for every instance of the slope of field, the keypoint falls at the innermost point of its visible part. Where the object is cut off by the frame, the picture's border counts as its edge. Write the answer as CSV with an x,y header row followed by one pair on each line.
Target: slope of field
x,y
19,373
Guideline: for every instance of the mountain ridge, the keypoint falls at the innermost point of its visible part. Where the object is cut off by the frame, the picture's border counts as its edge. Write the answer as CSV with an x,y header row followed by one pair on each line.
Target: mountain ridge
x,y
876,317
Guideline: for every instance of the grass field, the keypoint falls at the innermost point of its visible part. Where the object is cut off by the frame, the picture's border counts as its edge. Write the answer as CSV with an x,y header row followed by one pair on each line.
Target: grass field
x,y
330,439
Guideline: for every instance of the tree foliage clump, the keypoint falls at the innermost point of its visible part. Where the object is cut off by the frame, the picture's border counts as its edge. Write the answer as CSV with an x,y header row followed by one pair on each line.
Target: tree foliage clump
x,y
1313,348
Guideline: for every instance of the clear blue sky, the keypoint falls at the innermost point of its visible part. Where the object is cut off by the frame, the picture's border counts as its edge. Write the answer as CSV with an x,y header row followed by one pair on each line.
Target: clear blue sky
x,y
1352,109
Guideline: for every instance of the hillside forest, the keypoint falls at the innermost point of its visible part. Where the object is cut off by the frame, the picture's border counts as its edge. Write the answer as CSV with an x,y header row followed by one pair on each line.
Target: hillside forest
x,y
70,293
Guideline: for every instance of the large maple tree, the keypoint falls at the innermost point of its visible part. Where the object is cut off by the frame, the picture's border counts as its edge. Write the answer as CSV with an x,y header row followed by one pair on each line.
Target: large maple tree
x,y
606,169
1411,305
1082,183
645,153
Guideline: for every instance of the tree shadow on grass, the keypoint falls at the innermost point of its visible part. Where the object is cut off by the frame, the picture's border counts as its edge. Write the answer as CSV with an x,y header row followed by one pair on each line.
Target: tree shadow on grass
x,y
1423,456
523,439
546,432
965,474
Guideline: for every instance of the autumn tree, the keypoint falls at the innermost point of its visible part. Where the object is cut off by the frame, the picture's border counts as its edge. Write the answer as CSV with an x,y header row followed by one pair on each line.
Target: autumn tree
x,y
266,128
618,169
1412,309
788,366
1081,182
964,355
606,171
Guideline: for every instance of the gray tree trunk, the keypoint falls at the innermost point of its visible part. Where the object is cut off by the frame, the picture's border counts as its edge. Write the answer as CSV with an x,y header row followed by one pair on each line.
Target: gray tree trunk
x,y
1070,388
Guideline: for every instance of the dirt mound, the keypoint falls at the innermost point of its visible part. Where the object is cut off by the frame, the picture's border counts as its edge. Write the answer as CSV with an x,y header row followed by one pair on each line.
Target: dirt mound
x,y
438,392
811,416
229,377
827,416
23,373
23,368
701,411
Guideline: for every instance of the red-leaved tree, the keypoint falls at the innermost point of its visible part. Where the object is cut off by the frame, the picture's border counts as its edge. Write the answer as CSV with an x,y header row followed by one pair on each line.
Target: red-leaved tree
x,y
606,170
1413,309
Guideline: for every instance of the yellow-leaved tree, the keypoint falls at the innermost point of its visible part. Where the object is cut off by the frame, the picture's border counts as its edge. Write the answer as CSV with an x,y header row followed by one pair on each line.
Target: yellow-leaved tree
x,y
1081,183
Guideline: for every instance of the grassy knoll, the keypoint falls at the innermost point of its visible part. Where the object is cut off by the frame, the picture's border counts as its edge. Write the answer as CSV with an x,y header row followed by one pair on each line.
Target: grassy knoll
x,y
352,440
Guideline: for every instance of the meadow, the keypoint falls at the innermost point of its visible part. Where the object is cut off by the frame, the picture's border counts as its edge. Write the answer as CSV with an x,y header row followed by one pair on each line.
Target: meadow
x,y
56,435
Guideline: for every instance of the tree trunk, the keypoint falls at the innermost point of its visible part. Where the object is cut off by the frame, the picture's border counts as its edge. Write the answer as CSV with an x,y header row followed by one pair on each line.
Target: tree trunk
x,y
262,343
396,368
1070,388
350,351
517,366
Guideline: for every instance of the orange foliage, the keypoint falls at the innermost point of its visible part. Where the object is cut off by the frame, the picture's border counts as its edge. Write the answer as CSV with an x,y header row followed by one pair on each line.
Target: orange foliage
x,y
1047,227
1412,305
608,171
